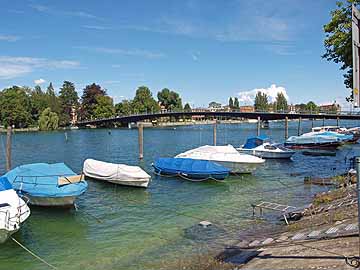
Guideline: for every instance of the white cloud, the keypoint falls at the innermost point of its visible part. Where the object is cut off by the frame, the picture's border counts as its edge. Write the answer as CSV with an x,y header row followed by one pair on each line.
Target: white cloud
x,y
132,52
9,38
39,81
50,10
12,67
248,97
195,56
96,27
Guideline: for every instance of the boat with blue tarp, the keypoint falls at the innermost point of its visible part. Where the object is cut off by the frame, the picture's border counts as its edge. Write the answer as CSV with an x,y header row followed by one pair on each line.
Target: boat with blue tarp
x,y
191,169
261,146
47,184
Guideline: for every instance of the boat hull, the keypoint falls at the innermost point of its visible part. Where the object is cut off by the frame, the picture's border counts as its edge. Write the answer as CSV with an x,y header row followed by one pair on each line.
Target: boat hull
x,y
237,167
143,183
67,201
193,176
268,154
5,234
332,145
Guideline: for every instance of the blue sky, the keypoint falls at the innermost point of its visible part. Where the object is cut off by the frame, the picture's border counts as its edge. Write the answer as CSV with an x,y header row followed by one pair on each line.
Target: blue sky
x,y
206,50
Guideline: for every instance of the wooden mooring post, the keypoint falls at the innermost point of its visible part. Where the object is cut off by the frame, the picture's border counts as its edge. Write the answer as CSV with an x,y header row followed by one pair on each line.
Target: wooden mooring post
x,y
312,122
214,132
258,126
8,148
323,122
337,121
141,140
299,127
286,127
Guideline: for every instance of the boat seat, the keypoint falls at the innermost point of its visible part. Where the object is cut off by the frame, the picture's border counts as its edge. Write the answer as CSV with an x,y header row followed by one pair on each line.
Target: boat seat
x,y
65,180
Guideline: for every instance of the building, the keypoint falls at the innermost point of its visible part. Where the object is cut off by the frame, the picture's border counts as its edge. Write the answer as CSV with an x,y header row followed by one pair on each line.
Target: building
x,y
330,108
247,109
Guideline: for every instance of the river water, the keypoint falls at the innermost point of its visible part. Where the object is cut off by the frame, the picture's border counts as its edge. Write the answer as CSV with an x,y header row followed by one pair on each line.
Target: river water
x,y
117,227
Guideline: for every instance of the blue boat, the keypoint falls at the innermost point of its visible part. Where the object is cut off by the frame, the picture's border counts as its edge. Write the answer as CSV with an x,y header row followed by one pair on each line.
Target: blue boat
x,y
190,169
47,184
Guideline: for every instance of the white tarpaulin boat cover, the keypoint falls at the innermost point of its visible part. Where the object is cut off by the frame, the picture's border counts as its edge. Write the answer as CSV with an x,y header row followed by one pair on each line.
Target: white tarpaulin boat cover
x,y
116,173
226,153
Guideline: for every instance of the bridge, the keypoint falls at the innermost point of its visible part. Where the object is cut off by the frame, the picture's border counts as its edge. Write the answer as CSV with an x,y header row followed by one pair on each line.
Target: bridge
x,y
264,116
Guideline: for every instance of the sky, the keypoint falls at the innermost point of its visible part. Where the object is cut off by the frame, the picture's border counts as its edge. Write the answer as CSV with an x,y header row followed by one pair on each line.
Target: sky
x,y
207,50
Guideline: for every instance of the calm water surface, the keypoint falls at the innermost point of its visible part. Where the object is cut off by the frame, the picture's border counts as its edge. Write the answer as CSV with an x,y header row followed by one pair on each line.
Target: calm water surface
x,y
117,227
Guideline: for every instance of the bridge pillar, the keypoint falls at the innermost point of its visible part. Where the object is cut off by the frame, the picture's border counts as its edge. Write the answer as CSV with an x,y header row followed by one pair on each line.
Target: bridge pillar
x,y
214,132
286,127
258,126
141,140
299,127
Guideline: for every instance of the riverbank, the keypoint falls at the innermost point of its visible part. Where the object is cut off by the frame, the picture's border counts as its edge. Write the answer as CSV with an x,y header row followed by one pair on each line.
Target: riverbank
x,y
322,238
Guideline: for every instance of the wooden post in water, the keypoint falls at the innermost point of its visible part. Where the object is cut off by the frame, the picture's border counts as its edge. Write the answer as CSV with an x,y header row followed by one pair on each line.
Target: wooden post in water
x,y
141,140
337,121
8,148
323,122
299,126
286,127
312,122
258,126
214,132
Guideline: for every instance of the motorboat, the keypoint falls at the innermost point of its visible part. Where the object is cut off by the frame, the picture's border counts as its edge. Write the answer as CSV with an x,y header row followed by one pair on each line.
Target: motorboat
x,y
190,169
344,137
352,134
13,210
261,146
226,156
313,142
116,173
47,184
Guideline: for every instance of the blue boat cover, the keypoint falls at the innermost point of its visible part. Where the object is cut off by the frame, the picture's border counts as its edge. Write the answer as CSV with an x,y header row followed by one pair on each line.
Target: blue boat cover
x,y
41,180
343,137
253,142
189,166
4,184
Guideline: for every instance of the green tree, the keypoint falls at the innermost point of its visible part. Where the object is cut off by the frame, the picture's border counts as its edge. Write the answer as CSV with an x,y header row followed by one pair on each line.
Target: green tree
x,y
311,107
231,103
89,100
39,102
104,107
281,102
338,41
48,120
170,100
52,99
68,99
187,107
236,103
124,107
261,102
15,107
144,102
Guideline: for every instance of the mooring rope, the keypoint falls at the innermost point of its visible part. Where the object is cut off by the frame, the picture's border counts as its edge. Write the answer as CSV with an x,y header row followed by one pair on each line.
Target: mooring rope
x,y
33,254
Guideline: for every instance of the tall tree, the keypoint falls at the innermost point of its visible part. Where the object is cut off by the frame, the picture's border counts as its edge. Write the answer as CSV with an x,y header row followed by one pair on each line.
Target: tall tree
x,y
104,107
261,102
311,107
281,102
124,107
89,101
144,102
171,100
338,41
39,102
15,107
69,100
187,107
52,99
236,103
231,103
48,120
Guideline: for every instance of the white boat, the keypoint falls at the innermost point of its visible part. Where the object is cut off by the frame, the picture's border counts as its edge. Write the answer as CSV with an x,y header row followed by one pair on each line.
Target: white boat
x,y
116,173
226,156
13,210
261,146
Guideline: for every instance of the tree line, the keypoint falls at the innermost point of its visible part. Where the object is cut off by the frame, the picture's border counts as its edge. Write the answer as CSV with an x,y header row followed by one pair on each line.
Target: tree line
x,y
22,107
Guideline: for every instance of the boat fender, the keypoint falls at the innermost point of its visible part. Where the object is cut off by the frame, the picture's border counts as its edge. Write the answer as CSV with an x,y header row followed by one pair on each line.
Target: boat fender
x,y
205,223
